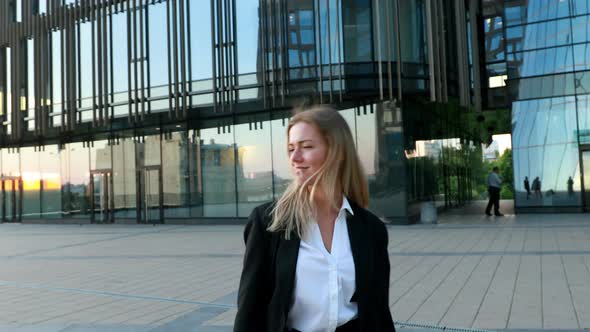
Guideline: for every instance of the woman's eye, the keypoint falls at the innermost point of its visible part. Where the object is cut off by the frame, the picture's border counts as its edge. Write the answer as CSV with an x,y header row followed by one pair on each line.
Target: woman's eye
x,y
308,147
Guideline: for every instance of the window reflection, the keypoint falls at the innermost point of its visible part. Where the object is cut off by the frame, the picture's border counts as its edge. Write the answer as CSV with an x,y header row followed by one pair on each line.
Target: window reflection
x,y
581,29
124,178
538,35
542,62
119,63
51,182
549,181
218,159
528,11
200,44
158,55
31,180
254,167
175,174
282,175
75,176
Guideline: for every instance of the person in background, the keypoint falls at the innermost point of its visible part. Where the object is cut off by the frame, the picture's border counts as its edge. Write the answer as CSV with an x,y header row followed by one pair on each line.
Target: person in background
x,y
494,187
527,187
570,186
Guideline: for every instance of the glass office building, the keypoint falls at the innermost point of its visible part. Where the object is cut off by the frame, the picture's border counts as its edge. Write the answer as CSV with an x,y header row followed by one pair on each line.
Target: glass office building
x,y
169,111
544,48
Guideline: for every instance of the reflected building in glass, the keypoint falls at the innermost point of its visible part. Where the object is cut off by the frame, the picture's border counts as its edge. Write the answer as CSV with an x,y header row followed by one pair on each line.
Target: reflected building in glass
x,y
544,47
175,111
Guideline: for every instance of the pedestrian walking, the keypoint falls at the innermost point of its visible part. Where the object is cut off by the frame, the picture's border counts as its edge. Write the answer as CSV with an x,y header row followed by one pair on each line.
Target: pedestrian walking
x,y
527,187
316,259
537,188
570,186
494,187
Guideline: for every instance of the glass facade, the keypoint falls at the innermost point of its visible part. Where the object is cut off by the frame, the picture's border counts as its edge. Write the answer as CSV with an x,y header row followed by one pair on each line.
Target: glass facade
x,y
163,111
546,53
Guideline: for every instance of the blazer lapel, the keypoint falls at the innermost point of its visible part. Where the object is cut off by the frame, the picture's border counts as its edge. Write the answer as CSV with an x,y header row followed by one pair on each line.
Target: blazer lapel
x,y
357,234
287,254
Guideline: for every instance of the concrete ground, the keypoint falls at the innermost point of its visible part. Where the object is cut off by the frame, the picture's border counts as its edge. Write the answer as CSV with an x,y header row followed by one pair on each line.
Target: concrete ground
x,y
517,273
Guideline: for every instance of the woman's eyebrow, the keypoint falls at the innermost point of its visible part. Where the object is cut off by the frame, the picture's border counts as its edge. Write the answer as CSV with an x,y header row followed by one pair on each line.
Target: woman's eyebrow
x,y
301,141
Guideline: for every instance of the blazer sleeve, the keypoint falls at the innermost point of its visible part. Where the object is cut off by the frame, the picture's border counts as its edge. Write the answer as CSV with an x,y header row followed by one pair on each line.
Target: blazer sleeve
x,y
384,271
253,292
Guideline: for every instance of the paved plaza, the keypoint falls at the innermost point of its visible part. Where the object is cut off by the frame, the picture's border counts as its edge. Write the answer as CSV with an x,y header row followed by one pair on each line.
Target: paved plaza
x,y
525,272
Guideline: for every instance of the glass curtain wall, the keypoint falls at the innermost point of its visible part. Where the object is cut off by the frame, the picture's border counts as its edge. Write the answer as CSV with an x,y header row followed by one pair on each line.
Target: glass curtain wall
x,y
50,182
548,71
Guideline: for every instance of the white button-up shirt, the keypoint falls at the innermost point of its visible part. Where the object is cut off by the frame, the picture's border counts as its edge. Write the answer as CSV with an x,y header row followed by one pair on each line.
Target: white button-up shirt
x,y
324,281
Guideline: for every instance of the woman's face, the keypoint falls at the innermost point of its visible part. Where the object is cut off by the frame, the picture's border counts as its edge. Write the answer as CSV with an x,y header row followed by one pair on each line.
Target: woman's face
x,y
307,150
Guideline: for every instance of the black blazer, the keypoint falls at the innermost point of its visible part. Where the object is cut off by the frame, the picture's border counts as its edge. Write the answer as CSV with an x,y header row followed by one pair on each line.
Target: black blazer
x,y
266,285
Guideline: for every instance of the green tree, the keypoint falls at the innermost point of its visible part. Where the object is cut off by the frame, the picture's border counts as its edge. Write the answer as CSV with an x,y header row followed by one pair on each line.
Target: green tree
x,y
506,172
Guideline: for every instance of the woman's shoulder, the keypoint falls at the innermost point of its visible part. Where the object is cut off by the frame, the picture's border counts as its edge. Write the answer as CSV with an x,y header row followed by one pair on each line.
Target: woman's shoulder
x,y
369,217
262,214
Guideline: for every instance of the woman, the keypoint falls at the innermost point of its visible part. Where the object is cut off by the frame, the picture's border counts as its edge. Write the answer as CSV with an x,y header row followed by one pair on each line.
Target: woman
x,y
316,260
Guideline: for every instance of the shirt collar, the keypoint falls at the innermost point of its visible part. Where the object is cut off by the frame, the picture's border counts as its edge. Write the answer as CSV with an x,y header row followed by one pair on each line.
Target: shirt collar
x,y
346,205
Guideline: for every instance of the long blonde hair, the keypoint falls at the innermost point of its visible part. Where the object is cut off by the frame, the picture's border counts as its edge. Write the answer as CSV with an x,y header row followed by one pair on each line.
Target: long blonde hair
x,y
341,173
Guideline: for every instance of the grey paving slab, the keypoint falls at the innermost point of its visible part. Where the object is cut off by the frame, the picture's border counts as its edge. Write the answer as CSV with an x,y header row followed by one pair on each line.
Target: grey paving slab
x,y
519,273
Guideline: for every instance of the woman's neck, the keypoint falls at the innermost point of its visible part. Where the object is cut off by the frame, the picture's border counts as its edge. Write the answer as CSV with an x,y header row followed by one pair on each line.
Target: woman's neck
x,y
323,204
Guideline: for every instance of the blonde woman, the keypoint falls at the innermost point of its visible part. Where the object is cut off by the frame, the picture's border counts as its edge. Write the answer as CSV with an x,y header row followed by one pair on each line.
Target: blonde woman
x,y
316,259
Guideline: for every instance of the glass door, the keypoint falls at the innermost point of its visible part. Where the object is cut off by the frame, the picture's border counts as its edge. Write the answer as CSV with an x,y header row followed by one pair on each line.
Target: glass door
x,y
586,178
151,193
101,183
11,203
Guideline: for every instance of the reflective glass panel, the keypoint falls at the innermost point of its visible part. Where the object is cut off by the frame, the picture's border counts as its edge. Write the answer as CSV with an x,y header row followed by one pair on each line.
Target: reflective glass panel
x,y
31,84
581,29
119,62
158,53
580,7
545,86
85,80
527,11
582,81
381,156
550,183
248,30
175,174
412,27
301,40
544,121
124,178
76,189
218,160
195,173
581,56
280,158
539,35
56,75
200,43
51,182
356,20
541,62
31,177
254,167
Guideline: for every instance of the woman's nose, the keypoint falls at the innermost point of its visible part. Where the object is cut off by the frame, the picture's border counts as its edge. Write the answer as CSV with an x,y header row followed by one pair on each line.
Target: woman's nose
x,y
296,155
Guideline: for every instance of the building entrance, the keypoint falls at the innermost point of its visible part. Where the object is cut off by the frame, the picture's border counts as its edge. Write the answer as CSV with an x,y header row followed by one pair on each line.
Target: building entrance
x,y
102,203
150,192
586,178
11,198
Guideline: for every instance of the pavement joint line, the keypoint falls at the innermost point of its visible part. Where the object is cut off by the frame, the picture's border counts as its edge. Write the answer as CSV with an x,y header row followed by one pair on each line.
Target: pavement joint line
x,y
111,294
437,327
486,291
88,243
492,253
127,257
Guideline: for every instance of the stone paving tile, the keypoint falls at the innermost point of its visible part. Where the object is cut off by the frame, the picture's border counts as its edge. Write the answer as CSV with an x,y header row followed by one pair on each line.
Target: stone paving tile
x,y
520,272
